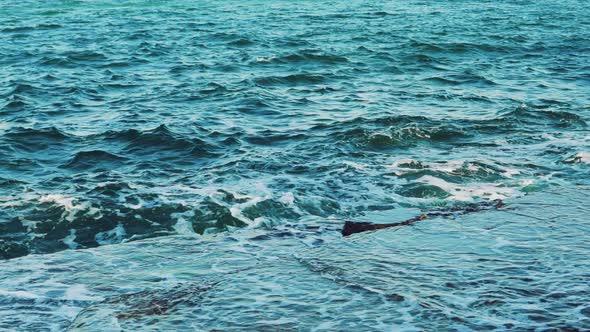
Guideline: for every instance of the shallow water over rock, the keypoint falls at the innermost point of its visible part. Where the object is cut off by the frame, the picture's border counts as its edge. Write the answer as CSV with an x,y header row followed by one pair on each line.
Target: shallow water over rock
x,y
521,267
130,120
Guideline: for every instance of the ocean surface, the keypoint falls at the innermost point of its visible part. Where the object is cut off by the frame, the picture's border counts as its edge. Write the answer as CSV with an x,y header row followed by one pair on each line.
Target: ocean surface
x,y
188,165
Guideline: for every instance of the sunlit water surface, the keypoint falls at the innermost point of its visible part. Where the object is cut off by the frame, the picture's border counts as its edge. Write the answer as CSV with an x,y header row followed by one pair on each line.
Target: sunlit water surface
x,y
209,151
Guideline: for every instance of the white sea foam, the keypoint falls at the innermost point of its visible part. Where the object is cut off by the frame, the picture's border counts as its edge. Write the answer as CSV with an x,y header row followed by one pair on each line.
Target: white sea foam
x,y
79,292
256,192
287,198
584,157
400,162
140,203
4,126
65,201
510,172
354,165
19,294
236,210
265,58
114,235
71,206
466,191
469,192
404,166
580,157
70,240
11,201
183,224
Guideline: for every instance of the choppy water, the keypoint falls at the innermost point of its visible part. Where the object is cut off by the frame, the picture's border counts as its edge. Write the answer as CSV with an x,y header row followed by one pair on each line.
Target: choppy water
x,y
122,121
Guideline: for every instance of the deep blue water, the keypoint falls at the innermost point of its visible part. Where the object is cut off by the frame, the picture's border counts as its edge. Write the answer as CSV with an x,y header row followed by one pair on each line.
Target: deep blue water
x,y
127,120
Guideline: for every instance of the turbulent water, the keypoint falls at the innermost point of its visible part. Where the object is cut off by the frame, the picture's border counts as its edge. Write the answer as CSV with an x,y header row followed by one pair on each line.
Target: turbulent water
x,y
206,124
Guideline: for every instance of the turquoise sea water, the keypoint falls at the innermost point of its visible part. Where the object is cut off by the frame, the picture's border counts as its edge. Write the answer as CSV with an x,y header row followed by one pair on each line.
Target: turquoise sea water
x,y
209,152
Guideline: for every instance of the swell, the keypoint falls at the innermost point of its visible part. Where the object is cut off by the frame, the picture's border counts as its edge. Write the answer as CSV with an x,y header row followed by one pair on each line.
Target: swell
x,y
304,57
542,117
31,135
41,27
452,48
405,131
85,160
293,79
35,140
121,111
159,140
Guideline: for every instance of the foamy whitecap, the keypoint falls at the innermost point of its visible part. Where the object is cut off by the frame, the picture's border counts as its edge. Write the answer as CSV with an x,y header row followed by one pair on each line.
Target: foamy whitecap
x,y
65,201
406,166
70,240
510,172
236,210
72,207
354,165
265,58
584,157
287,198
114,235
403,163
580,157
10,201
471,191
